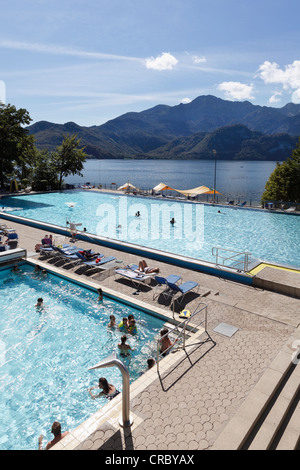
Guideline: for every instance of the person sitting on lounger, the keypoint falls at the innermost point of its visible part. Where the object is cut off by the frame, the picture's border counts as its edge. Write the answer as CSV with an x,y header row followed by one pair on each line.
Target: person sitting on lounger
x,y
144,268
88,255
46,240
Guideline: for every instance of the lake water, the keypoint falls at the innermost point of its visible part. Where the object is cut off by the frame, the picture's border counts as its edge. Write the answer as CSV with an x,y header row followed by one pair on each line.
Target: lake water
x,y
235,179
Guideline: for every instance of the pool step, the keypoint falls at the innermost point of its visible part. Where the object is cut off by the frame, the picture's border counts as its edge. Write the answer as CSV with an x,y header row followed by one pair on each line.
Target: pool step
x,y
290,439
269,418
269,429
283,281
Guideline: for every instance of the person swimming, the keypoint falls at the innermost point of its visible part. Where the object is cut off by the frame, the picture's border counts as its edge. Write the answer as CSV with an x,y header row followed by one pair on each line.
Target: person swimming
x,y
107,389
112,322
40,303
123,326
132,329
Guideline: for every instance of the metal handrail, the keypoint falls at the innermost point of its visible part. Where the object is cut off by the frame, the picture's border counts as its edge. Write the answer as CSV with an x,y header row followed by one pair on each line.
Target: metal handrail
x,y
237,264
180,329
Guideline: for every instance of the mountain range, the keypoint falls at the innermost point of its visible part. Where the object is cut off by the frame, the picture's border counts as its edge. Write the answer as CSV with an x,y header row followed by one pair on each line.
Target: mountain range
x,y
235,130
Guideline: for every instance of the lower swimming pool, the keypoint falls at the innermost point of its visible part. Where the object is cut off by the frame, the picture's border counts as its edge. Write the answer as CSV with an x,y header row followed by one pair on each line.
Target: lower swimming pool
x,y
45,353
269,236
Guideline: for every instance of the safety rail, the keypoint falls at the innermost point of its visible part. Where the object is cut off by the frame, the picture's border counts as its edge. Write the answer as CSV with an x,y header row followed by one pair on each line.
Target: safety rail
x,y
180,330
235,263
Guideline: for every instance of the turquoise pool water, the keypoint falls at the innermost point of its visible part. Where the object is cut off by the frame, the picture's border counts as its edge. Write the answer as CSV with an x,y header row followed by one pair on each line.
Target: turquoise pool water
x,y
45,354
269,236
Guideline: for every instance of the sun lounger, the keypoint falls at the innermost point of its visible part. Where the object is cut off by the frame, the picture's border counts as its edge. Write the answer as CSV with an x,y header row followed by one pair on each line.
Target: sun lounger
x,y
69,254
65,251
57,251
241,204
6,230
105,260
107,269
162,284
182,289
136,278
94,263
12,240
133,267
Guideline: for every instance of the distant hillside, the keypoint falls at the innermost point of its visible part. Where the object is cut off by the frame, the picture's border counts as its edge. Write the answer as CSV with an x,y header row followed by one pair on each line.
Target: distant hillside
x,y
235,142
237,130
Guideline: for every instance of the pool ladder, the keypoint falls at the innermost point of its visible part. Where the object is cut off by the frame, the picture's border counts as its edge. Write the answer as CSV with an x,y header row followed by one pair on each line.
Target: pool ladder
x,y
238,260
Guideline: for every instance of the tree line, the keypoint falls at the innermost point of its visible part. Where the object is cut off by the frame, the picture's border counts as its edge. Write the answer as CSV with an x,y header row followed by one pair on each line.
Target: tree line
x,y
41,169
284,183
22,161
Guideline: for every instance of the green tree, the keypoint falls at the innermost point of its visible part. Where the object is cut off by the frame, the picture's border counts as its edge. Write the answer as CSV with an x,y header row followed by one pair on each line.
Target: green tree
x,y
69,158
43,171
16,145
284,182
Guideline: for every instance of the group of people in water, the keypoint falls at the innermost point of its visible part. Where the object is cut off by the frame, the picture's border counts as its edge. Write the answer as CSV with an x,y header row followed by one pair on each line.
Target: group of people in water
x,y
128,326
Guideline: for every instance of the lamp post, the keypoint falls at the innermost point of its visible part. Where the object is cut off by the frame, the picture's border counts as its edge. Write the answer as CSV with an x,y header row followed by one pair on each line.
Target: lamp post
x,y
215,178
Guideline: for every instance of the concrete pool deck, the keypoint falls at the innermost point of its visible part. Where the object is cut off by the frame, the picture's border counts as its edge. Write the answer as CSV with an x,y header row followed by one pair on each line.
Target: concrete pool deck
x,y
209,396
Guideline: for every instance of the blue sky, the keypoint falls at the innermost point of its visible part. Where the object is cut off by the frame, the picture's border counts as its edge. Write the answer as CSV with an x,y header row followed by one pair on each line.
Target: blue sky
x,y
89,61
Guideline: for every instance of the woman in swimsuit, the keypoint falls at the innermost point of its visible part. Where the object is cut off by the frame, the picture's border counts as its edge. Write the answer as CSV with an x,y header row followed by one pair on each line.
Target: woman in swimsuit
x,y
107,389
144,268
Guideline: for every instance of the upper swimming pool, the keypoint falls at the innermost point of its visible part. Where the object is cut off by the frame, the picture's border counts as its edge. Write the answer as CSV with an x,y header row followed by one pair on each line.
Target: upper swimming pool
x,y
268,236
45,353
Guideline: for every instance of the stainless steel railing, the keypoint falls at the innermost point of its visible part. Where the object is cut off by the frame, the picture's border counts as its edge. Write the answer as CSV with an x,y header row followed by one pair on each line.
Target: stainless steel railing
x,y
180,332
238,260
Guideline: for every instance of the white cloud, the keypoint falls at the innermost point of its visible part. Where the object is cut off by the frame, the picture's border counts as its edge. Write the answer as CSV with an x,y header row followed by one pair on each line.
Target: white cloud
x,y
289,77
62,50
2,92
165,61
296,96
275,97
198,60
186,101
236,90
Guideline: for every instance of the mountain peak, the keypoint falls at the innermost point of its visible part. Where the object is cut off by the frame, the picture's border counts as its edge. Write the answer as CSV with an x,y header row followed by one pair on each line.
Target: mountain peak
x,y
144,133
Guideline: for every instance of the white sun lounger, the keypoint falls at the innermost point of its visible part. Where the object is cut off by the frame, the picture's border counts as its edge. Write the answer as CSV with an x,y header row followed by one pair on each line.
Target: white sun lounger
x,y
136,278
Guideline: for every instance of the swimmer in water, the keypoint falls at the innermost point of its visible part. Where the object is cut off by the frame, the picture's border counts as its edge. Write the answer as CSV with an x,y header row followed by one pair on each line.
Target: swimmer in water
x,y
106,389
40,302
124,347
112,322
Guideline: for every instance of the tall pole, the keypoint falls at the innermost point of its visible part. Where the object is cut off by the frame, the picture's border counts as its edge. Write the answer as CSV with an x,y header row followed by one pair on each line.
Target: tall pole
x,y
215,178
